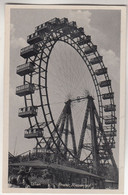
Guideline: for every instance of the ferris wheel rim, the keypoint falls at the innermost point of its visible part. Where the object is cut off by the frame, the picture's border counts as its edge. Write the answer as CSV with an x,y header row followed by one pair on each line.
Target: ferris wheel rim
x,y
109,88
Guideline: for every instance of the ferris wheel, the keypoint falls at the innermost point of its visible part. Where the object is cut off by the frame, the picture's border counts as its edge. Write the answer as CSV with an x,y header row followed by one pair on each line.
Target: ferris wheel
x,y
69,101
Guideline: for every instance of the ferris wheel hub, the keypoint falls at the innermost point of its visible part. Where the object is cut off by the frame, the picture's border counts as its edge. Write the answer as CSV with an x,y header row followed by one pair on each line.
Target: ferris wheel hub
x,y
79,99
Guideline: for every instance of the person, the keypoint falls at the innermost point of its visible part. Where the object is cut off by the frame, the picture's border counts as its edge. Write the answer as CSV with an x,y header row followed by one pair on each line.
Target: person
x,y
21,175
25,184
27,175
13,182
22,178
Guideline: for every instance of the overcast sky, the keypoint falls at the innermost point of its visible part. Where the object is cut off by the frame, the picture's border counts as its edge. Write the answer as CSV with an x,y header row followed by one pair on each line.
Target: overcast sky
x,y
104,28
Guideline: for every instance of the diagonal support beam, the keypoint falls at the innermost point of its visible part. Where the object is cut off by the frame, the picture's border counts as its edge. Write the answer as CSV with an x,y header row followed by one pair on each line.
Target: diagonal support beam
x,y
61,130
66,135
82,136
72,133
94,137
50,141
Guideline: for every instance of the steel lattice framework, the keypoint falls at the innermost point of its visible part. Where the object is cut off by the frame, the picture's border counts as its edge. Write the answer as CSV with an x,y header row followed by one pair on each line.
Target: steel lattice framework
x,y
35,86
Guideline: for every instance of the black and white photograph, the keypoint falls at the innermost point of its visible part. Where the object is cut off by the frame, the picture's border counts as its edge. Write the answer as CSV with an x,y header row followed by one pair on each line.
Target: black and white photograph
x,y
65,78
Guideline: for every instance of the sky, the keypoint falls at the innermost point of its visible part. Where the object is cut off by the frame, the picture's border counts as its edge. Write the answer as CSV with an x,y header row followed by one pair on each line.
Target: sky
x,y
104,28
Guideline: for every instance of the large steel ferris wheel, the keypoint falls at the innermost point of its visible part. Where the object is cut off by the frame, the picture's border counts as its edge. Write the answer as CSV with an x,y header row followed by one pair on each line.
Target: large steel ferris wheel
x,y
58,136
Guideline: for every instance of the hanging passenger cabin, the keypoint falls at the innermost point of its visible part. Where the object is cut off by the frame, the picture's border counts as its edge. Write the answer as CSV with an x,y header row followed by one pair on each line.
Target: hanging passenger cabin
x,y
24,69
110,133
109,108
29,51
96,60
33,133
70,26
77,33
105,83
90,49
81,30
63,22
110,120
102,71
43,28
106,96
34,38
27,89
27,111
53,23
84,40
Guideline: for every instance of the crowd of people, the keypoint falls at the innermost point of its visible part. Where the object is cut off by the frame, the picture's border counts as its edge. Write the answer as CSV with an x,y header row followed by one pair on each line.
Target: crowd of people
x,y
21,180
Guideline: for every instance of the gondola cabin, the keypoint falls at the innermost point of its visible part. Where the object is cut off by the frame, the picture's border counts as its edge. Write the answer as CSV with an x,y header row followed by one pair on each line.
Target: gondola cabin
x,y
23,90
96,60
110,133
53,22
34,38
109,108
81,30
66,30
29,51
43,28
64,21
77,33
101,71
57,24
84,40
110,120
106,96
105,83
33,133
90,49
24,69
72,24
27,111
